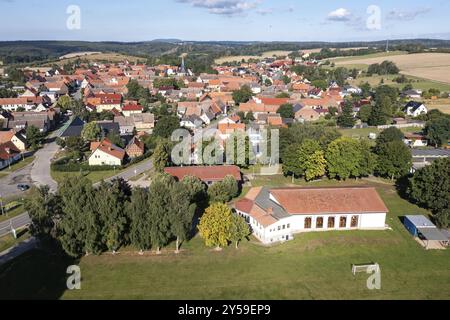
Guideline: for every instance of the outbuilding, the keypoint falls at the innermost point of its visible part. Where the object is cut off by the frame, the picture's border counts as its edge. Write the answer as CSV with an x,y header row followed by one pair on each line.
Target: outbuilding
x,y
422,228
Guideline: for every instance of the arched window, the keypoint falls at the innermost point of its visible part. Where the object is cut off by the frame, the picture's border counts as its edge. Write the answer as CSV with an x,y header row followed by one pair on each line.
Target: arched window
x,y
343,222
308,223
355,220
319,223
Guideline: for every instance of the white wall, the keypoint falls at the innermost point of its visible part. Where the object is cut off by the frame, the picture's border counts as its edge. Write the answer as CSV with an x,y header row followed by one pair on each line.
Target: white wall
x,y
296,224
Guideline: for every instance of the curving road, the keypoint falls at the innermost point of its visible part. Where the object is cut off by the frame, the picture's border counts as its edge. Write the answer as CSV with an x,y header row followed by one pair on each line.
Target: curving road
x,y
40,171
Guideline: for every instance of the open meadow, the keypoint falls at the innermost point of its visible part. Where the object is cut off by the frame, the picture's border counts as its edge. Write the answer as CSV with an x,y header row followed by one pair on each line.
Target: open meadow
x,y
313,266
268,54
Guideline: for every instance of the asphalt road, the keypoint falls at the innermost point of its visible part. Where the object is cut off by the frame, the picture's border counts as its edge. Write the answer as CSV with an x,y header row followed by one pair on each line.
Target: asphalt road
x,y
16,222
40,171
8,184
142,167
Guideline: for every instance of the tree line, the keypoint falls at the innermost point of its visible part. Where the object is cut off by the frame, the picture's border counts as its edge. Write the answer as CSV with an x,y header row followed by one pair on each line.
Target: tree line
x,y
312,152
87,220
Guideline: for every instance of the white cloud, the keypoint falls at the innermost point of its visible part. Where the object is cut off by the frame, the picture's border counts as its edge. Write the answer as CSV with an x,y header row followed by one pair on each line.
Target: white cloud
x,y
407,15
340,14
224,7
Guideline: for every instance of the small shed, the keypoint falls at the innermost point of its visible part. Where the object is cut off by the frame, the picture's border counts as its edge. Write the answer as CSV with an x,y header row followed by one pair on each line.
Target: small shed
x,y
414,223
422,228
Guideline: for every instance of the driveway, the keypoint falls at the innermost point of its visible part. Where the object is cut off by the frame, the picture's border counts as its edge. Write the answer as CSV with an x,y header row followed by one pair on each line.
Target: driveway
x,y
40,171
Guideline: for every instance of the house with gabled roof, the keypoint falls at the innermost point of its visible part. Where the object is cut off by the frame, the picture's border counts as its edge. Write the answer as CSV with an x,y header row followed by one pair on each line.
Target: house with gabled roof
x,y
276,215
105,153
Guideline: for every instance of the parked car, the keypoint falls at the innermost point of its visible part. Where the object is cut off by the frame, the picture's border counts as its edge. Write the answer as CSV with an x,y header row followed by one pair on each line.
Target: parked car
x,y
23,187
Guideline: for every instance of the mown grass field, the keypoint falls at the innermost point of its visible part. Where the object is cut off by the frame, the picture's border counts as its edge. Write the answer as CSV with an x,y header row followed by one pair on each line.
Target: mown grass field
x,y
313,266
94,176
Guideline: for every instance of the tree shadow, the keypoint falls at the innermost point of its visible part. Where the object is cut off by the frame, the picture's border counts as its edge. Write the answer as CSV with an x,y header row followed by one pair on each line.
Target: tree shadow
x,y
39,274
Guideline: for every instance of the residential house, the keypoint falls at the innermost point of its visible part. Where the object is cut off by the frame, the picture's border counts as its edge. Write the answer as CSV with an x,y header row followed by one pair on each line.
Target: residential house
x,y
17,138
130,109
105,153
415,109
135,148
305,114
415,140
276,215
9,154
208,174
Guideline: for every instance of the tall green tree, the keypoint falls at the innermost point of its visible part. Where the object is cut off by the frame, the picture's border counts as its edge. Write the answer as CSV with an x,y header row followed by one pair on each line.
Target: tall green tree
x,y
343,158
137,209
430,187
291,165
346,118
437,131
165,126
195,188
91,131
34,137
239,230
159,201
80,226
286,111
43,208
160,157
381,111
394,160
181,213
244,94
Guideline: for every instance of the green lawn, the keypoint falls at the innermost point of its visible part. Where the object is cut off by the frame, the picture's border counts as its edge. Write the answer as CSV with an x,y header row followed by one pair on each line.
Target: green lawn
x,y
364,132
8,241
313,266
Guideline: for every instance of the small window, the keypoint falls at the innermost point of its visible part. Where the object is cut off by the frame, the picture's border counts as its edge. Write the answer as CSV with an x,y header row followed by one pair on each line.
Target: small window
x,y
343,222
319,223
355,220
308,223
284,226
331,222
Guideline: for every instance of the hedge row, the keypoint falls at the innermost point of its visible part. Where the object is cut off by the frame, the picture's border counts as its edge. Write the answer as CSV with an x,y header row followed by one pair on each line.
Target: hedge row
x,y
63,165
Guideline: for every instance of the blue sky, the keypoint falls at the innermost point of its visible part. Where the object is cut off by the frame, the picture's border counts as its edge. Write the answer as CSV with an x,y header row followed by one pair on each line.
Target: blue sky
x,y
239,20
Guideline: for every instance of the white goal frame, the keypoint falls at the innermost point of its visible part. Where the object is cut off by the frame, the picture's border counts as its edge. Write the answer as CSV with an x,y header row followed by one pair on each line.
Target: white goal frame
x,y
357,268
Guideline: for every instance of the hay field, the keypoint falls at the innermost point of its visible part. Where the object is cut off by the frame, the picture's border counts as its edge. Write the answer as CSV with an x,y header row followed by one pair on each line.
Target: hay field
x,y
442,105
433,66
100,57
268,54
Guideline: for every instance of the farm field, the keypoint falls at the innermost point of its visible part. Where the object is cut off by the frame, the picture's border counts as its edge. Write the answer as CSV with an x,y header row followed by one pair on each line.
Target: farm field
x,y
98,57
417,83
268,54
433,66
78,54
313,266
442,105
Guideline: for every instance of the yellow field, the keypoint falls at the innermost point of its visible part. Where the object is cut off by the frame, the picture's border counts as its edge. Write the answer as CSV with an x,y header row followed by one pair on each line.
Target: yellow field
x,y
98,57
268,54
433,66
442,105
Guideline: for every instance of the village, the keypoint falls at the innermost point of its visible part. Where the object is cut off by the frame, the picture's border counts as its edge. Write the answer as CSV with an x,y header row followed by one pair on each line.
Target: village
x,y
101,134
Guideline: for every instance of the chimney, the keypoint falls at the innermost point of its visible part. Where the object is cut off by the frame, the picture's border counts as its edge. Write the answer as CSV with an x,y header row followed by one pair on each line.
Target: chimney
x,y
8,150
269,210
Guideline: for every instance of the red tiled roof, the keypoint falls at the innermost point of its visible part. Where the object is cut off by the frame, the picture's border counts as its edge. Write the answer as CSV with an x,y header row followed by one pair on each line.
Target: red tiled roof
x,y
8,150
205,173
132,107
329,200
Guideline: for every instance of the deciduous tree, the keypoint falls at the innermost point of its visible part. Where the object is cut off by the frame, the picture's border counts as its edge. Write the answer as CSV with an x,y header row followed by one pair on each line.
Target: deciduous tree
x,y
216,225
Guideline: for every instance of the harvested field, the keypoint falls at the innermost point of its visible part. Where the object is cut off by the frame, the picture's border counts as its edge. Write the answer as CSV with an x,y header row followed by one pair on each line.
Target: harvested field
x,y
268,54
433,66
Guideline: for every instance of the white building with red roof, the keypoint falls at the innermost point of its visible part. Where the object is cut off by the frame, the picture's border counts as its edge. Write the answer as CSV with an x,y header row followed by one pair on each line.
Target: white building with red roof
x,y
275,215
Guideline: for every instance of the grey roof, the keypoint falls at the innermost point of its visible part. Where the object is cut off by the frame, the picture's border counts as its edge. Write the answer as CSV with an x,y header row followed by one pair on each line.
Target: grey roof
x,y
263,200
433,234
430,152
109,126
420,222
73,129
